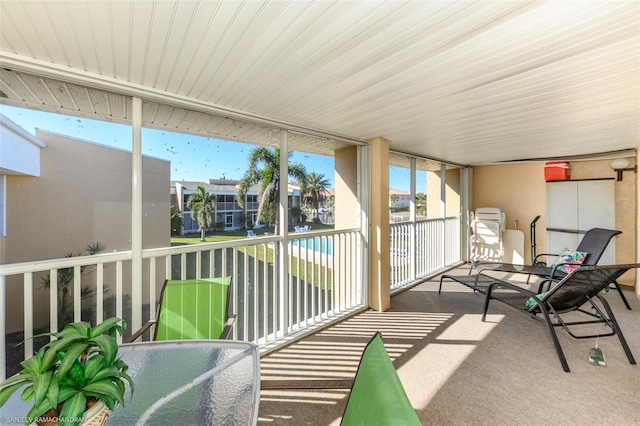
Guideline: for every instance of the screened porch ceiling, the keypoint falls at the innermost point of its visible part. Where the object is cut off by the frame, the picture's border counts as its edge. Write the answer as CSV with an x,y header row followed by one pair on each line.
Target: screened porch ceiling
x,y
464,82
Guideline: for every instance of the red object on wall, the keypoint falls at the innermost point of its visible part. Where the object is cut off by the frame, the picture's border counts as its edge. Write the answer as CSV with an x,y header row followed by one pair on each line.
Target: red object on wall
x,y
557,170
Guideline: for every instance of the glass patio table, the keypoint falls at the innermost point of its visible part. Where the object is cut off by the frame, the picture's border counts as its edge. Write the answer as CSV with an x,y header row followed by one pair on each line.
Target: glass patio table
x,y
189,382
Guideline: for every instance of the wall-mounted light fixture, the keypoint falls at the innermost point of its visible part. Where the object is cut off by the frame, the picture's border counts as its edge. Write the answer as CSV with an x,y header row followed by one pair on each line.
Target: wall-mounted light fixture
x,y
622,165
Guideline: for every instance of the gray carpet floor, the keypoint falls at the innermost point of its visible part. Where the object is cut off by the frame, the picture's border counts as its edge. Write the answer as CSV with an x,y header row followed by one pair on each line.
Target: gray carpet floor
x,y
458,370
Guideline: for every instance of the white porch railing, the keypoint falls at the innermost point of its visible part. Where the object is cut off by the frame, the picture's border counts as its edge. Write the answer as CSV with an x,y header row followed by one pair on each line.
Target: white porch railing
x,y
323,282
423,248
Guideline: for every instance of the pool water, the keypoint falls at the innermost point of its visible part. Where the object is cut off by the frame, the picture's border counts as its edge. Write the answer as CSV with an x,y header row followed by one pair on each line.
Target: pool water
x,y
319,244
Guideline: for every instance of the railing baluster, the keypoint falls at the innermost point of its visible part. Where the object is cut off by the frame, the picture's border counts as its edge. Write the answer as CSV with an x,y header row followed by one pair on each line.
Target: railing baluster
x,y
312,285
265,291
212,263
167,266
77,293
234,273
53,301
99,293
198,264
28,315
245,292
152,289
119,295
256,293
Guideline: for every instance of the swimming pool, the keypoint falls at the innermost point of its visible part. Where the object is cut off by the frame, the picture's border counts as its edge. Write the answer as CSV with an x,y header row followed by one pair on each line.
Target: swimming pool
x,y
322,245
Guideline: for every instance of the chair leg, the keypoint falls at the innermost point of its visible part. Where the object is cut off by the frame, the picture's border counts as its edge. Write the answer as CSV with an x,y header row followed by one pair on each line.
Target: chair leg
x,y
624,299
550,327
485,308
616,329
554,338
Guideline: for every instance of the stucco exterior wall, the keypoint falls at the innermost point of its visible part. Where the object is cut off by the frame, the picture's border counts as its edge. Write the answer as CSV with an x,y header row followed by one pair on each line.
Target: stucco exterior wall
x,y
379,231
346,193
519,190
83,195
451,194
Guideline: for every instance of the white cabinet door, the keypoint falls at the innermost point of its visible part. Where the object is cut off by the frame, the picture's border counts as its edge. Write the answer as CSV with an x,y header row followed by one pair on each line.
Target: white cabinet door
x,y
574,207
596,204
562,205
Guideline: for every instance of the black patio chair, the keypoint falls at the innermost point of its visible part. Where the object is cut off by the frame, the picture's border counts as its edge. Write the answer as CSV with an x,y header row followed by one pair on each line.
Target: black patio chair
x,y
576,291
594,243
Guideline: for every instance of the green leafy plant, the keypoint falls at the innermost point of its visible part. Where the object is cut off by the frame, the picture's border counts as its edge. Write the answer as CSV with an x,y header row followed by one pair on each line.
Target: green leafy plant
x,y
65,285
72,372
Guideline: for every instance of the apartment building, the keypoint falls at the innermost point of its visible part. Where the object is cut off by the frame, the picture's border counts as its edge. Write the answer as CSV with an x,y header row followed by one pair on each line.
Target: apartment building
x,y
229,214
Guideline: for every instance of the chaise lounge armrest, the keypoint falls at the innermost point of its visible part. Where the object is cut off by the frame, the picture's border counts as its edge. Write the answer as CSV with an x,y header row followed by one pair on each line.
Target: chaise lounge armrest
x,y
139,333
226,331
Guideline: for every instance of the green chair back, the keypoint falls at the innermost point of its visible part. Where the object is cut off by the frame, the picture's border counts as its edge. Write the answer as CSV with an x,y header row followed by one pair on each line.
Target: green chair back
x,y
377,396
193,309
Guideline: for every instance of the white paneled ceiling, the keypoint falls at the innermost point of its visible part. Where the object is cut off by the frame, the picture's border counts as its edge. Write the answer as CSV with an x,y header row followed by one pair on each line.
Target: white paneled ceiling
x,y
467,82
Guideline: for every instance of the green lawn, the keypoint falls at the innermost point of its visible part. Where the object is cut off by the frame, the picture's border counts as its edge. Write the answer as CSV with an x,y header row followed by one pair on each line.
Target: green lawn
x,y
236,235
307,271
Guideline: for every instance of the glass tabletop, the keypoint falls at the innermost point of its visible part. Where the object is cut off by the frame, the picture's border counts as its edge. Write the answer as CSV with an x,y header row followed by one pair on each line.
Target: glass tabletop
x,y
189,382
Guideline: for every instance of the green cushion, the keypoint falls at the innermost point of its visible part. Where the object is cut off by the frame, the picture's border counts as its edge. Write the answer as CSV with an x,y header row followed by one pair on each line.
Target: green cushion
x,y
193,309
377,396
530,303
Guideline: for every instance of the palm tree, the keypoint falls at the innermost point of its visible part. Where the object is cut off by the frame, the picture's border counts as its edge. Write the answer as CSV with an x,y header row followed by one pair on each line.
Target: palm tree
x,y
421,203
315,190
264,168
394,199
202,205
176,220
65,283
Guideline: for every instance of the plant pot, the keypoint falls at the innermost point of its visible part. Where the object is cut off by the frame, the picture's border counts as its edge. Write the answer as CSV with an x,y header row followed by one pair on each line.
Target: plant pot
x,y
96,415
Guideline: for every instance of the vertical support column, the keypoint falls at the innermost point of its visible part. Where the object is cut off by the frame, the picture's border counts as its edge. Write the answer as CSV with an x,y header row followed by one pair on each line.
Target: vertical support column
x,y
3,326
443,212
637,177
3,279
379,284
466,201
412,221
283,257
443,191
349,209
364,172
136,214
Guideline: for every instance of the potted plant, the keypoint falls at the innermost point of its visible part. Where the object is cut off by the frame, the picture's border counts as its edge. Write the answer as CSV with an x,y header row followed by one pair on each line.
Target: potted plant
x,y
77,371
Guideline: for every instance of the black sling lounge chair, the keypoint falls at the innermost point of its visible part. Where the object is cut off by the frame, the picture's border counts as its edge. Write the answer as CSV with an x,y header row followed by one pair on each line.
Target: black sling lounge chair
x,y
594,243
574,293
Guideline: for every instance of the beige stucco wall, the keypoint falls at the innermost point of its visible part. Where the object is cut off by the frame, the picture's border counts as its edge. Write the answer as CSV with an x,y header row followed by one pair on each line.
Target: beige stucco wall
x,y
452,193
346,192
379,231
82,196
519,190
346,214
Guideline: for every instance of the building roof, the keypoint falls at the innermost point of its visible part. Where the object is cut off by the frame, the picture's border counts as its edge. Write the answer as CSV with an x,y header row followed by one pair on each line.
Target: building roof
x,y
225,186
19,150
393,191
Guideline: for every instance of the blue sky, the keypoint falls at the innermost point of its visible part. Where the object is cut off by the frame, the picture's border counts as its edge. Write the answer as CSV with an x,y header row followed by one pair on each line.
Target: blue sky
x,y
192,158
